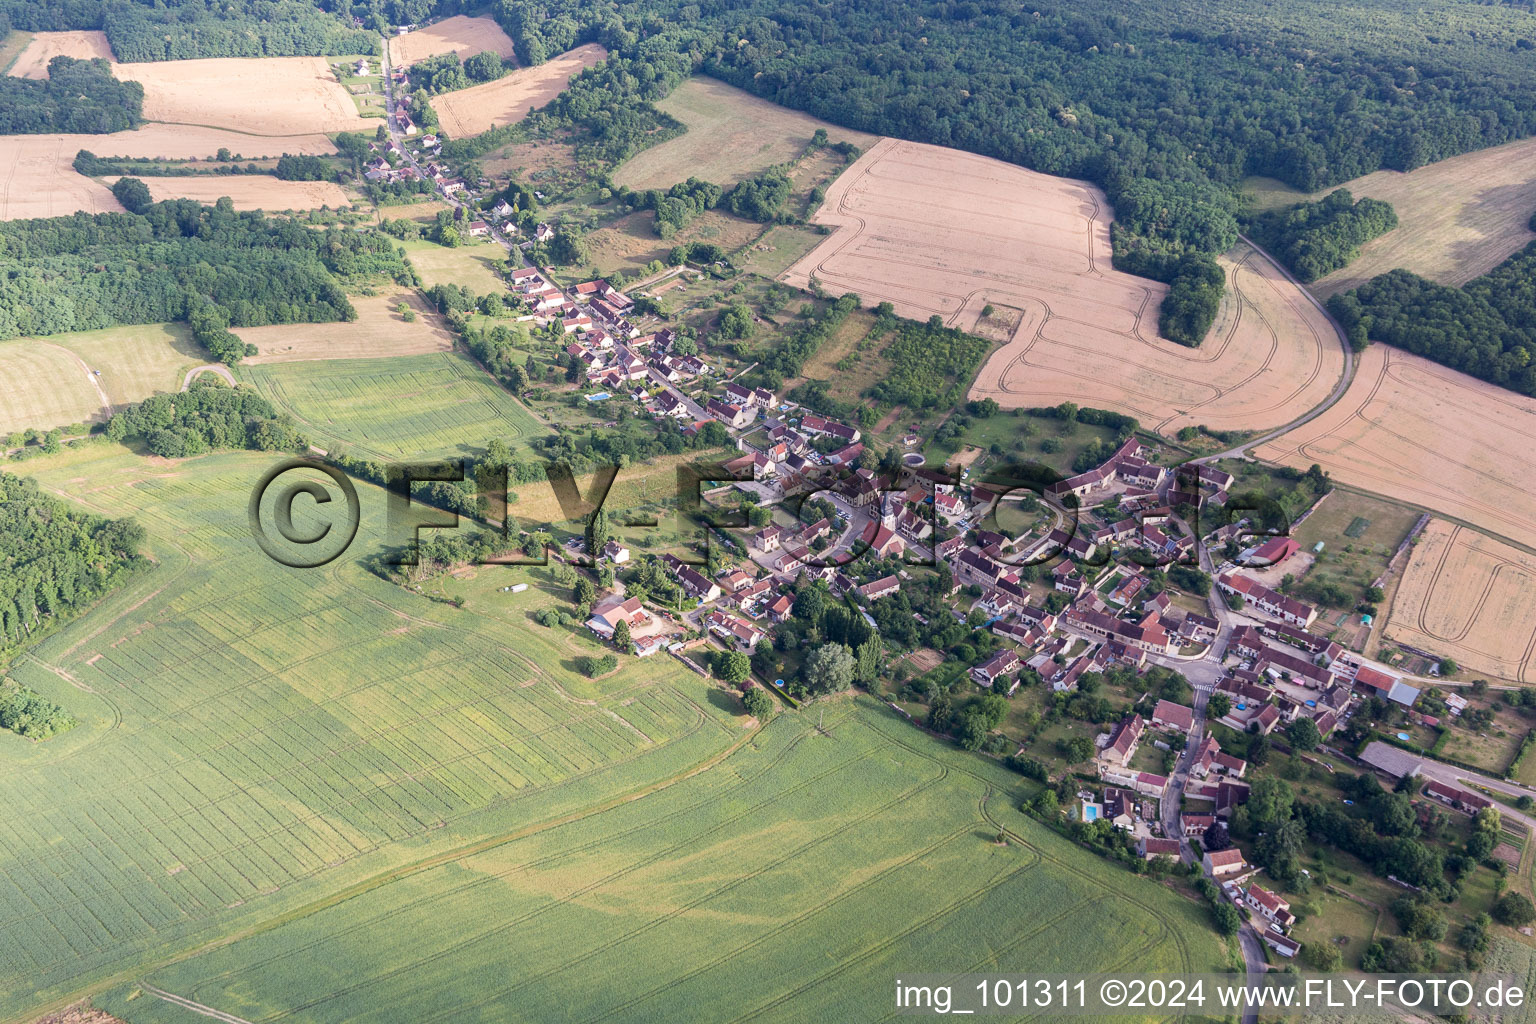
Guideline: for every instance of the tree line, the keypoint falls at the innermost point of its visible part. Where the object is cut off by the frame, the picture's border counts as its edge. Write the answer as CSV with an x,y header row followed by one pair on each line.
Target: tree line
x,y
78,96
54,558
150,30
211,266
1314,239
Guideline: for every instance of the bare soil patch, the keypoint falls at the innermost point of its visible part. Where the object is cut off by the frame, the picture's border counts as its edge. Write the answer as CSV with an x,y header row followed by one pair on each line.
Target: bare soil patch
x,y
37,178
379,331
458,34
941,232
731,135
258,95
527,159
471,111
33,61
1457,219
249,191
1416,431
1469,597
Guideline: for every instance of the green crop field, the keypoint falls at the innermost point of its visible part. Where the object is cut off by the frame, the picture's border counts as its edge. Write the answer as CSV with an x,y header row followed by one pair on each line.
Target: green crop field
x,y
793,882
408,406
313,795
254,738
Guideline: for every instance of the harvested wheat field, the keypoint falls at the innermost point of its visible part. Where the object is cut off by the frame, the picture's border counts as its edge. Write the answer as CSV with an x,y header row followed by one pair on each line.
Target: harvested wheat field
x,y
1457,219
940,232
731,135
480,107
1469,597
459,34
248,191
379,330
33,62
1416,431
37,178
258,95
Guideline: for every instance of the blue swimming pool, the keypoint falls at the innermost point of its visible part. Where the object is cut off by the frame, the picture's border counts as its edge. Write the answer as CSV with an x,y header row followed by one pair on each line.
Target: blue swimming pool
x,y
1090,812
599,397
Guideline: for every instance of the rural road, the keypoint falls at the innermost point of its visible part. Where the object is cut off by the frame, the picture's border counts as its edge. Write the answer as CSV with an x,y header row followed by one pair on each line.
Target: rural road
x,y
218,368
90,375
1339,388
1451,775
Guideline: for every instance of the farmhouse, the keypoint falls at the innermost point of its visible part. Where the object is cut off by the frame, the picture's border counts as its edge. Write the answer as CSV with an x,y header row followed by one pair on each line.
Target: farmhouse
x,y
1149,846
610,612
739,632
1453,796
1272,907
1270,553
1223,862
1272,601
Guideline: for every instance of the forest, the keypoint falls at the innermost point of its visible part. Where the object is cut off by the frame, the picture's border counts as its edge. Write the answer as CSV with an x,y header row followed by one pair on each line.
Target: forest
x,y
54,558
78,97
147,30
180,260
1486,328
1314,239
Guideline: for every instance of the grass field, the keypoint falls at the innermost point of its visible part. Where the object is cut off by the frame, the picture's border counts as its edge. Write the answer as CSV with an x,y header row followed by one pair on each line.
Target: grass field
x,y
1359,533
48,382
731,135
408,406
12,45
349,801
467,265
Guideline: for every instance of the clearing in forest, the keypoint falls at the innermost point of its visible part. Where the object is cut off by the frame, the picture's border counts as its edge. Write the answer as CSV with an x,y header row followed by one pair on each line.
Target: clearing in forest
x,y
459,34
1457,219
471,111
248,191
731,135
1419,432
1469,597
406,407
38,179
33,61
258,95
629,243
940,232
50,382
380,330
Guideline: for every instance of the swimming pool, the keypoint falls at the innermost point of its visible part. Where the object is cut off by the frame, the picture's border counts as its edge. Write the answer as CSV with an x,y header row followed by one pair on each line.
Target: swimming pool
x,y
1090,812
599,397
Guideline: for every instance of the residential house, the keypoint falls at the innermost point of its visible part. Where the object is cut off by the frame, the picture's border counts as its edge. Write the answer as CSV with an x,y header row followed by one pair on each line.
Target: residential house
x,y
1271,601
1004,662
1148,847
615,552
1123,740
1168,715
